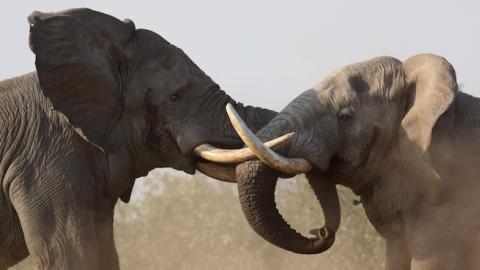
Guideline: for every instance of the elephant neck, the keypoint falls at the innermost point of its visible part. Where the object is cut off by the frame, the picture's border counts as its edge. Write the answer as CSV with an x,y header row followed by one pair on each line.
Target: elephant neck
x,y
385,194
120,174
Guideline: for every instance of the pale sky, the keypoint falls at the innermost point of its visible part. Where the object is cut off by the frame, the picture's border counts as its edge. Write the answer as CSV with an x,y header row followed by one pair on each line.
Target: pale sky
x,y
265,53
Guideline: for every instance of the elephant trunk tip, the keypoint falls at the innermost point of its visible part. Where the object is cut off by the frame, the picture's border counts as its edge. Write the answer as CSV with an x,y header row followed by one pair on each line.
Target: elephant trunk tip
x,y
324,239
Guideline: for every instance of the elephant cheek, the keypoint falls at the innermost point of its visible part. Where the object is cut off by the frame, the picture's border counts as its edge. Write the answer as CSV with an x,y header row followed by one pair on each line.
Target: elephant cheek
x,y
317,153
188,136
321,164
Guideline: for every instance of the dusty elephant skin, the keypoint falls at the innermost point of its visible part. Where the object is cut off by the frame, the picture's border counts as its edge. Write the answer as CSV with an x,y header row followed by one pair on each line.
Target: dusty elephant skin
x,y
121,101
402,137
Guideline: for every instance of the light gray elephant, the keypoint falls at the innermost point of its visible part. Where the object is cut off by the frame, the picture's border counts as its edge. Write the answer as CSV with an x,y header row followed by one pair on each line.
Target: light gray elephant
x,y
107,104
402,137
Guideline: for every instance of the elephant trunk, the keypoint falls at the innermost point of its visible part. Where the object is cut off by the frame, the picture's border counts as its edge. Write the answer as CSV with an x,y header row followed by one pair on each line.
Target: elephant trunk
x,y
256,186
216,100
210,123
326,193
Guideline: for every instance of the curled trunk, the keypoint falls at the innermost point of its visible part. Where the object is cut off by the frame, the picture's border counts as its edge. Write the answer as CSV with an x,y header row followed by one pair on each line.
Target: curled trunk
x,y
256,186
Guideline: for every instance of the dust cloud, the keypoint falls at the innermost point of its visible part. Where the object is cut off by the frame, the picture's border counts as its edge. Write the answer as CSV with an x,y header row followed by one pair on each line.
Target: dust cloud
x,y
180,222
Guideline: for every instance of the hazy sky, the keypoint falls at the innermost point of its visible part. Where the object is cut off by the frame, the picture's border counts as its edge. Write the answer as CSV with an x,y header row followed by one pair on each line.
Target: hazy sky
x,y
265,53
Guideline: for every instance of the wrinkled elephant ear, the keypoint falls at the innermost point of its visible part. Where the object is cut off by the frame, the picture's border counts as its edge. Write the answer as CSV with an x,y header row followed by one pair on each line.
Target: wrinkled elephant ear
x,y
79,60
432,86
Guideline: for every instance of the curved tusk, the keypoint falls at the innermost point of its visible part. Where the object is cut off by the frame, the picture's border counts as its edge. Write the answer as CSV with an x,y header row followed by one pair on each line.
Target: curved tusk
x,y
212,153
218,172
277,162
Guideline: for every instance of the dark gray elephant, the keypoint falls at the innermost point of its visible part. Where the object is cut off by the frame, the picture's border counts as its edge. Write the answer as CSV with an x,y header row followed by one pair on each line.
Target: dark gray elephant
x,y
399,135
121,101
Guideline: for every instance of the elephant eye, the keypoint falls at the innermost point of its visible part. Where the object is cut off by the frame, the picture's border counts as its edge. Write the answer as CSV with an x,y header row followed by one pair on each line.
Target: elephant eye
x,y
345,115
174,98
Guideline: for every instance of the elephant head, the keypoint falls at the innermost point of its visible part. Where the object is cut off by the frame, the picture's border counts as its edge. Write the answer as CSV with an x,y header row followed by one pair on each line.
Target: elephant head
x,y
363,124
131,93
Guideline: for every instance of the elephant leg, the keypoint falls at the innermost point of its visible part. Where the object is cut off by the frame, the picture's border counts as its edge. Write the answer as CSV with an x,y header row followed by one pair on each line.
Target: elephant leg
x,y
105,240
58,225
106,245
397,255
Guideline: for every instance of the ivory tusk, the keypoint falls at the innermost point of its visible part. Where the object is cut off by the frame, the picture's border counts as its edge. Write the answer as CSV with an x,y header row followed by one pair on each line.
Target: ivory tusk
x,y
219,155
292,166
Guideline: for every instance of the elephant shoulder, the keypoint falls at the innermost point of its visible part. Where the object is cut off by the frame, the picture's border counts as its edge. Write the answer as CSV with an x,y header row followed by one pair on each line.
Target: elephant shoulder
x,y
27,117
21,91
20,99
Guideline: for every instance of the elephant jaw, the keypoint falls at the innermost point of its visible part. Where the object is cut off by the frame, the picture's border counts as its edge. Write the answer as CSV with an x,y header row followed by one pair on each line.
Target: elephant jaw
x,y
223,173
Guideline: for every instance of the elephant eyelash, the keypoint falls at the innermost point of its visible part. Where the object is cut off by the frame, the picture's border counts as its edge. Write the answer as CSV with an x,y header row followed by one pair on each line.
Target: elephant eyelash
x,y
174,98
345,115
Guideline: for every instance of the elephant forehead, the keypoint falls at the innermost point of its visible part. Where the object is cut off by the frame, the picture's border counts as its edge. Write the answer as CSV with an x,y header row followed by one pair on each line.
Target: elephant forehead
x,y
151,72
335,90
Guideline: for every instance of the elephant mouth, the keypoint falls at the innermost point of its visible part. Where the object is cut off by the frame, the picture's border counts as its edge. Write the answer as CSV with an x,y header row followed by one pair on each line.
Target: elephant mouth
x,y
340,168
220,171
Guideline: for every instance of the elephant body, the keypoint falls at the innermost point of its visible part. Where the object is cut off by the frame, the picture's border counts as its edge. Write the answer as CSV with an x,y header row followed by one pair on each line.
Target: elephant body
x,y
41,151
444,235
401,136
107,104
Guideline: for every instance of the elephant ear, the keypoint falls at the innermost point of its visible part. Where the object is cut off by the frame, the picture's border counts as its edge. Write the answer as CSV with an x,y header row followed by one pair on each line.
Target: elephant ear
x,y
432,85
79,61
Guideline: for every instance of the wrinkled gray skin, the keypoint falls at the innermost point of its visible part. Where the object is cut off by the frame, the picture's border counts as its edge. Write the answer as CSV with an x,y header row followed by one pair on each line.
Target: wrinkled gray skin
x,y
403,138
137,103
